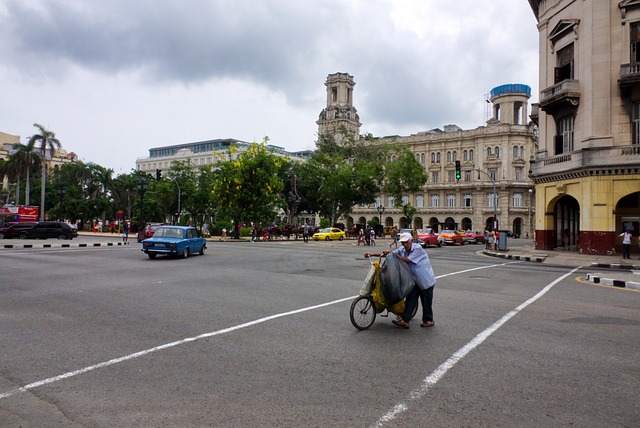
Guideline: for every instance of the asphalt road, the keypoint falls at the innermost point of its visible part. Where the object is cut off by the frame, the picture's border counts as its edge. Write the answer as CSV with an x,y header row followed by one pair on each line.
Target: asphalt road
x,y
258,334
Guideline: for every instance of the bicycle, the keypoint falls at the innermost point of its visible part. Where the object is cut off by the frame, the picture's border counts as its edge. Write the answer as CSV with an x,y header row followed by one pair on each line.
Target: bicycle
x,y
371,301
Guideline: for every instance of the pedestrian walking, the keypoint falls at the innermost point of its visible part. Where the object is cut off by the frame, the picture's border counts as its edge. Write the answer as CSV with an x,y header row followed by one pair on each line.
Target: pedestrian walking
x,y
626,244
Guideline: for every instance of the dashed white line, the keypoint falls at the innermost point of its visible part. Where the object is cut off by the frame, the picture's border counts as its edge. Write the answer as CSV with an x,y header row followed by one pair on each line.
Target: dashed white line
x,y
439,372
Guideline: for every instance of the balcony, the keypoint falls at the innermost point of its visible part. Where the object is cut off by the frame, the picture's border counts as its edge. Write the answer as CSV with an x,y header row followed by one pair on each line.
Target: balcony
x,y
629,78
616,158
560,95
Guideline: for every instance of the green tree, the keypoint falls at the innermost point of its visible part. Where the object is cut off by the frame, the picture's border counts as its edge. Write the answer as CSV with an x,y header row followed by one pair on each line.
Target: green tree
x,y
23,161
47,140
248,187
402,174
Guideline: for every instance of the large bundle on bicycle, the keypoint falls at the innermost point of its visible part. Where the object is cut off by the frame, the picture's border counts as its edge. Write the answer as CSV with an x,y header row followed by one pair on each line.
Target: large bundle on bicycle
x,y
386,287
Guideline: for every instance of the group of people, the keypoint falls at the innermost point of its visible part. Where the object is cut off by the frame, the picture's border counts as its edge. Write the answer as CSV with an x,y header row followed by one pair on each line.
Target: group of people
x,y
367,236
422,272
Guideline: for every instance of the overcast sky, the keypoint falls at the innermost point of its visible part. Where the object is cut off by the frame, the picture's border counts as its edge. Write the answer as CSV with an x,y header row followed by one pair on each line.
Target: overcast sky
x,y
113,78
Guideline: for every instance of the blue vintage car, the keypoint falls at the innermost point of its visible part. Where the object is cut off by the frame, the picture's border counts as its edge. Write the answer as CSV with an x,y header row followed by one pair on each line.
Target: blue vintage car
x,y
175,241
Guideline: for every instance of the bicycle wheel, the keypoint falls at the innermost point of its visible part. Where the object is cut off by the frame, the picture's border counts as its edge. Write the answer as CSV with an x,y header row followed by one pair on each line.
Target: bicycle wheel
x,y
363,312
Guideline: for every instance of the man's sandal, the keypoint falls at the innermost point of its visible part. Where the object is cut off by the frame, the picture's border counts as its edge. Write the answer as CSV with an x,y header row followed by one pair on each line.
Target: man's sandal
x,y
401,323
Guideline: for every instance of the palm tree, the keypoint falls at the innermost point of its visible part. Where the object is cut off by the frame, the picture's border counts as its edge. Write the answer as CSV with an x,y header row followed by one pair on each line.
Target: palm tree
x,y
23,160
47,139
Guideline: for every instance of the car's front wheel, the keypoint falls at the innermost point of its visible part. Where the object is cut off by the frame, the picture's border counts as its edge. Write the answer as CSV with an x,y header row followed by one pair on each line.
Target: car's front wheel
x,y
185,253
23,236
152,255
62,236
341,238
327,239
202,250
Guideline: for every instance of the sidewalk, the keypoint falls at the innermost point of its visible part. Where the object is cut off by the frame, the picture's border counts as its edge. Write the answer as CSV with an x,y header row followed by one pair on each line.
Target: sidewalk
x,y
608,270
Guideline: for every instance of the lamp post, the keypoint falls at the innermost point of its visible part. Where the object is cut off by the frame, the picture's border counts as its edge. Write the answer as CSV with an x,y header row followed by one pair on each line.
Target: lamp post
x,y
380,210
176,181
495,196
60,192
531,228
142,187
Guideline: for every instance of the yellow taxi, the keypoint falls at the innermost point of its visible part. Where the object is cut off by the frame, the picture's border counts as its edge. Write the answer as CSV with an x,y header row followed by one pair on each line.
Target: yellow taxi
x,y
329,234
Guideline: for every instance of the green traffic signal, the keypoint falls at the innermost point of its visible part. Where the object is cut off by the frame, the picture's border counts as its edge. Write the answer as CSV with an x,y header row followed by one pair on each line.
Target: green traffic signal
x,y
458,173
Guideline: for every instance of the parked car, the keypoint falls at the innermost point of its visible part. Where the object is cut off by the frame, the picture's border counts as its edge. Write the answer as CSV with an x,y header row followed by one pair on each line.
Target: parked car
x,y
148,231
329,234
451,237
174,241
474,237
10,229
428,238
47,229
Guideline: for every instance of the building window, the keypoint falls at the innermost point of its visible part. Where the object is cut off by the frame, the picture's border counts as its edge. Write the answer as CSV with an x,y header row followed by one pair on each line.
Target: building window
x,y
464,155
451,176
455,155
471,155
433,157
564,61
492,174
635,42
517,200
448,156
491,199
468,200
438,157
636,124
405,199
418,157
378,201
435,201
451,200
435,176
467,176
564,135
515,152
419,201
390,201
489,151
497,152
422,159
519,173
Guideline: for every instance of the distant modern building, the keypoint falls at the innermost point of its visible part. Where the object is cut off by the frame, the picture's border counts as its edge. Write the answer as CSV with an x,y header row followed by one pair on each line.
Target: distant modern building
x,y
494,162
202,153
587,169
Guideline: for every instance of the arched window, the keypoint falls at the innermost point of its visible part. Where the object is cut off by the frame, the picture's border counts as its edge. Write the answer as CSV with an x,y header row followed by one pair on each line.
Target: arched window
x,y
497,150
422,157
455,155
515,152
438,157
471,154
464,155
448,156
488,151
522,152
433,157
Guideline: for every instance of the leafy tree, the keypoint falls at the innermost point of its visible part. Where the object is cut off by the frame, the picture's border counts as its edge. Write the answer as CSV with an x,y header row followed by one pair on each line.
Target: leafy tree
x,y
402,174
47,140
247,187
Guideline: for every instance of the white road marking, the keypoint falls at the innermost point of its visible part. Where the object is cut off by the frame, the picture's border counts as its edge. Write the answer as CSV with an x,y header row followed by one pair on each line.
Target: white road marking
x,y
439,372
194,338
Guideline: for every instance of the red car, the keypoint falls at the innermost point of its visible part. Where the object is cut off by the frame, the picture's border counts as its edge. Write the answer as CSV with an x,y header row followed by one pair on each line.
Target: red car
x,y
428,238
148,231
474,237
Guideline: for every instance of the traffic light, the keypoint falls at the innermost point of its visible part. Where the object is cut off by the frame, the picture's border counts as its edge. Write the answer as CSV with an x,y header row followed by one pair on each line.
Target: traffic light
x,y
458,174
158,174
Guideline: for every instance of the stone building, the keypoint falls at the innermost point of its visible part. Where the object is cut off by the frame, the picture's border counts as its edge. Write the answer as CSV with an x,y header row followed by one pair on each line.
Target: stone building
x,y
494,163
587,169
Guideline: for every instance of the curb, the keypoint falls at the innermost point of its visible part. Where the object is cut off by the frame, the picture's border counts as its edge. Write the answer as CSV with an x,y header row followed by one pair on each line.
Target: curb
x,y
96,244
537,259
613,282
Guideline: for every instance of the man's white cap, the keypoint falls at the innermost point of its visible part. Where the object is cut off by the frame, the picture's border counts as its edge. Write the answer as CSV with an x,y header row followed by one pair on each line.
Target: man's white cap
x,y
405,237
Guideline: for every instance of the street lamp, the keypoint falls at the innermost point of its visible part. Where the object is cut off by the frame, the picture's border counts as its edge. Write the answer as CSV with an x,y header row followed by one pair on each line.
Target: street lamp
x,y
60,192
380,210
495,196
142,187
176,181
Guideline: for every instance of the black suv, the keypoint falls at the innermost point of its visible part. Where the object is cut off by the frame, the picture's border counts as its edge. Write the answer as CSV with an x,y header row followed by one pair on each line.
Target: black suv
x,y
49,229
11,230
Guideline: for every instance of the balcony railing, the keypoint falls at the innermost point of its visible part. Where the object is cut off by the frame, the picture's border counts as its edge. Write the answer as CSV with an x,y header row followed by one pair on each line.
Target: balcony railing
x,y
630,70
566,88
593,157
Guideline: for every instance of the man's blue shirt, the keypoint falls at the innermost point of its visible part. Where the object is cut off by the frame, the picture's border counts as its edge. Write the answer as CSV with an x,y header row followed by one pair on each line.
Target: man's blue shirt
x,y
420,266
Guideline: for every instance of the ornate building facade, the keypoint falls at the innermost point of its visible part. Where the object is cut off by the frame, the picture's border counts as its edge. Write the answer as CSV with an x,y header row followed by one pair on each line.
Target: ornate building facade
x,y
587,169
495,186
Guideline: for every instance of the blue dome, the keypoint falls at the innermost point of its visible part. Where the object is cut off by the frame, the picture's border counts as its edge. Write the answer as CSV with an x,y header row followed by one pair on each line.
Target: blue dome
x,y
510,88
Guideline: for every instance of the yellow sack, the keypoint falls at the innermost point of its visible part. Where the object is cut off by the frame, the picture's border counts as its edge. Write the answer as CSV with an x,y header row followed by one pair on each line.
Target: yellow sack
x,y
379,300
